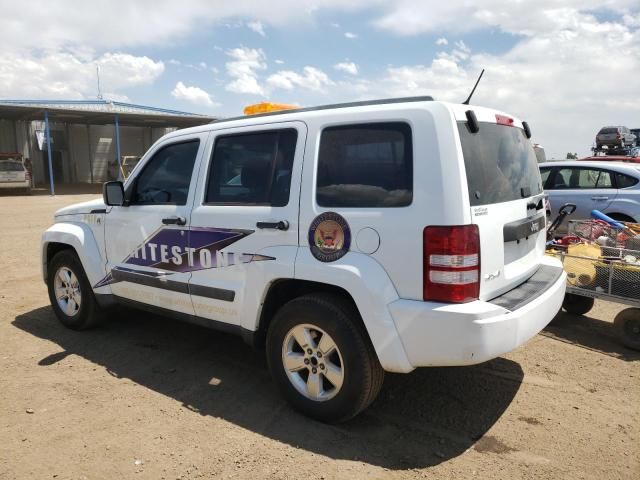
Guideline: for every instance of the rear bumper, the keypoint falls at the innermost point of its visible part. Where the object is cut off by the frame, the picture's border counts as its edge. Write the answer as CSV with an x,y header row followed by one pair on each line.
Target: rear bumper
x,y
9,185
465,334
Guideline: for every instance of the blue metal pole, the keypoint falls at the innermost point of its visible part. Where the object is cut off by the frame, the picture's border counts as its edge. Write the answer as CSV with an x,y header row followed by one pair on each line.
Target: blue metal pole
x,y
118,157
48,135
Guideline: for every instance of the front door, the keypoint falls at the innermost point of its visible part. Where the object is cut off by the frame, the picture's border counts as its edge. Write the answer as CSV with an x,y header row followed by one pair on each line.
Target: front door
x,y
147,239
244,224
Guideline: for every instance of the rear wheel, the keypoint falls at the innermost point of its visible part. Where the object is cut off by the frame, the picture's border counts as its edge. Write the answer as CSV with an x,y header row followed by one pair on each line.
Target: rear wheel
x,y
321,358
577,304
70,292
627,325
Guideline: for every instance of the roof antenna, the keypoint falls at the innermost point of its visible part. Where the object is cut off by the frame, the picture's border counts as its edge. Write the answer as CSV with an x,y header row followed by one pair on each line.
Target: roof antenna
x,y
466,102
99,89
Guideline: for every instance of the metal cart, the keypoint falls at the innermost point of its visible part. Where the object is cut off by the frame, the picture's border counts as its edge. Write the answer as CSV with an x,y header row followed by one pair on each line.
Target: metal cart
x,y
603,263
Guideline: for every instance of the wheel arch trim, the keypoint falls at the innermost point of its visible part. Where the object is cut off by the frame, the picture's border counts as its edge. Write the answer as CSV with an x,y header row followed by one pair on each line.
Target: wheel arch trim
x,y
80,238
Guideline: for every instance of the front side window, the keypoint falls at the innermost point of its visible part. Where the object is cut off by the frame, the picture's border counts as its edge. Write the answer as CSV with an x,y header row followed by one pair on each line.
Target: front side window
x,y
368,165
166,177
252,169
578,178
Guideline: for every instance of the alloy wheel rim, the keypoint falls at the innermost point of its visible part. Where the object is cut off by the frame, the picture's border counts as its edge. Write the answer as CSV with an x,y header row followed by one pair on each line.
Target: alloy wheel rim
x,y
67,291
313,363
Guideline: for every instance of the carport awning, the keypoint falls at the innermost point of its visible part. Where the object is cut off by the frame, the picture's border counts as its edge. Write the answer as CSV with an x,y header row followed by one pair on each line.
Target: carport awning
x,y
102,113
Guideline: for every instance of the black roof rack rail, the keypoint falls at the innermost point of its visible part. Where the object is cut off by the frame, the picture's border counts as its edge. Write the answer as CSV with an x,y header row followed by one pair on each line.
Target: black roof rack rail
x,y
383,101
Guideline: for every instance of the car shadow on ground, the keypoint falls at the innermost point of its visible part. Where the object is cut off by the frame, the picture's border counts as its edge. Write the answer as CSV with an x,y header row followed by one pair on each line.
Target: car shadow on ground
x,y
420,419
590,333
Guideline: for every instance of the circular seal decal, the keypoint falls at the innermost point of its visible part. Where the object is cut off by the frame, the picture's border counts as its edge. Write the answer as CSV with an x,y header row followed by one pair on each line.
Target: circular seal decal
x,y
329,237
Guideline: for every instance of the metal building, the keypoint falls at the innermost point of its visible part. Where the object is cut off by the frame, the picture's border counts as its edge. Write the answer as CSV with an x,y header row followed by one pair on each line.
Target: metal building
x,y
83,141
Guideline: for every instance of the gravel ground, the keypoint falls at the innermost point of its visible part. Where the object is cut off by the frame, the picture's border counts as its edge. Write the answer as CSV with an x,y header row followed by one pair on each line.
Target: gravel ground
x,y
148,397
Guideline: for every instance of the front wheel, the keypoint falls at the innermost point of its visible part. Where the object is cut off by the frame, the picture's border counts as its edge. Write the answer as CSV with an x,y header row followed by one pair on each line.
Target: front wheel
x,y
627,325
70,292
321,358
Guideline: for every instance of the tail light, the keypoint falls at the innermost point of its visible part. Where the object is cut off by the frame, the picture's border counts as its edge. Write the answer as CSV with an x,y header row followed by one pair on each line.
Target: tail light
x,y
451,263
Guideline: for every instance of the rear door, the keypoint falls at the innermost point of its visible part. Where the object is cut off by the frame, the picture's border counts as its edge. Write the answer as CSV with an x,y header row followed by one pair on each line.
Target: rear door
x,y
244,224
506,198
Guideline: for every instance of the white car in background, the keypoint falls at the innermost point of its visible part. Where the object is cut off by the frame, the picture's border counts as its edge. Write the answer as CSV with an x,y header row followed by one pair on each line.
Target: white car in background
x,y
611,187
14,175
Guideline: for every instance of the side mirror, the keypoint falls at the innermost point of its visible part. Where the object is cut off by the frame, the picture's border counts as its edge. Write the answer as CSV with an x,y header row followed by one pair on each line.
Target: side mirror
x,y
113,193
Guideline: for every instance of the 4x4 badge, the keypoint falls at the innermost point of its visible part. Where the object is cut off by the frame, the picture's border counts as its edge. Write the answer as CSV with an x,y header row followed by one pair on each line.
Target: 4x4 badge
x,y
329,237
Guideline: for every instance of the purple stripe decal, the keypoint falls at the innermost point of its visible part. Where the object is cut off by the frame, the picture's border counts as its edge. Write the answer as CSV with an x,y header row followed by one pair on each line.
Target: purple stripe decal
x,y
187,250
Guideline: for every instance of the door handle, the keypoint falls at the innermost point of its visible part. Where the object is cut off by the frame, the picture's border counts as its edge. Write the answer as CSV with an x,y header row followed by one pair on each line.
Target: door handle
x,y
281,225
599,198
174,221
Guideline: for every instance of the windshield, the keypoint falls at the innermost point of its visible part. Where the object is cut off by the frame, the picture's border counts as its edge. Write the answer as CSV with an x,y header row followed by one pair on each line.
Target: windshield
x,y
11,167
607,131
500,163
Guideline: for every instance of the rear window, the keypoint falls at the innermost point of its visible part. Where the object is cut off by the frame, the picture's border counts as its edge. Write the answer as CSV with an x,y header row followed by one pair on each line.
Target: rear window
x,y
606,131
500,163
368,165
11,167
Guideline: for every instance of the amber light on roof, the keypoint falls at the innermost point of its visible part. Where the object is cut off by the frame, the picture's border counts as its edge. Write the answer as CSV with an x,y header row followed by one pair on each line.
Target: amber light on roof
x,y
266,107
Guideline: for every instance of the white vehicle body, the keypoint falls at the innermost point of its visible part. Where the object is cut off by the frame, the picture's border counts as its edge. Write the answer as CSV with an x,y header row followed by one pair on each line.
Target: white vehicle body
x,y
14,175
520,290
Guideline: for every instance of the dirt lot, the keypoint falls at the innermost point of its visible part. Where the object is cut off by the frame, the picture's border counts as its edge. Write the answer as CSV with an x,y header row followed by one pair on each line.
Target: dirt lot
x,y
147,397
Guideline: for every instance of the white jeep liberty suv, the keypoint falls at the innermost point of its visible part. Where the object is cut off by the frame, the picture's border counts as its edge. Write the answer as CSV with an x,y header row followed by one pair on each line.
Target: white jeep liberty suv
x,y
348,239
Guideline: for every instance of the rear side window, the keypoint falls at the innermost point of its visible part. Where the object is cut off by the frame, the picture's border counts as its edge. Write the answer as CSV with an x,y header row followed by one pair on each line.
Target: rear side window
x,y
252,168
625,181
577,178
166,177
500,163
367,166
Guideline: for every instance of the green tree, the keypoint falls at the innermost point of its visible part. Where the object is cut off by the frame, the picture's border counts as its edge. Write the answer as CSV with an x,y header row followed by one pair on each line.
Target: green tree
x,y
572,156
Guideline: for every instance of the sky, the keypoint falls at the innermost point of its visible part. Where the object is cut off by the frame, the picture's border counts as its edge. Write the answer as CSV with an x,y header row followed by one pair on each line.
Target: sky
x,y
567,67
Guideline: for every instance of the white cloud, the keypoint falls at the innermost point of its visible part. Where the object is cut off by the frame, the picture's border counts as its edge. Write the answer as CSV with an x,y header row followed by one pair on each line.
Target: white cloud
x,y
564,81
350,35
192,94
410,17
65,75
554,68
257,27
278,61
244,68
311,79
347,67
144,22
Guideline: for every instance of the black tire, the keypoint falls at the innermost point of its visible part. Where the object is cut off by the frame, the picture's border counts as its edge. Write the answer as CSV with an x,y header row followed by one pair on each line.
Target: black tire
x,y
627,325
577,304
621,217
363,374
88,314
